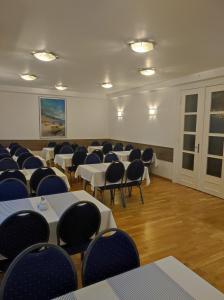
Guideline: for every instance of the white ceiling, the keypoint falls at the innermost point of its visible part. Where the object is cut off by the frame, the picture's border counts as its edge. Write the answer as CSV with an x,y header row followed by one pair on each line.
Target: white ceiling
x,y
90,37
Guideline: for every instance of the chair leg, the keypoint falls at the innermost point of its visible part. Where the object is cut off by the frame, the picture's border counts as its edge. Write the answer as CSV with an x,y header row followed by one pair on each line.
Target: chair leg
x,y
140,189
122,194
111,197
84,184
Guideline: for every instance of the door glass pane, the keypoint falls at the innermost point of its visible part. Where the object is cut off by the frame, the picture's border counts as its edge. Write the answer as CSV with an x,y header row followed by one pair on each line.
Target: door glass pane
x,y
189,142
215,145
188,161
217,123
217,103
190,123
191,103
214,167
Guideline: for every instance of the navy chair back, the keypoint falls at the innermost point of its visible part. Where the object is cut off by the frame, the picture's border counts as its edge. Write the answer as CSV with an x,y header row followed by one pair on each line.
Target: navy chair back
x,y
114,172
8,164
65,144
13,174
22,158
99,153
14,148
66,149
129,147
107,148
3,151
134,154
57,149
21,230
51,144
50,185
42,271
12,189
118,147
32,163
78,158
109,255
147,155
77,225
81,149
38,175
135,170
104,142
110,157
4,155
92,158
74,147
95,143
20,151
12,145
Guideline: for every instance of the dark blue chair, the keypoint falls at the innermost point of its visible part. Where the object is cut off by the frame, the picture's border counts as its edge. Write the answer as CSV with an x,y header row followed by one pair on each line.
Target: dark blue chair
x,y
147,156
118,147
19,231
92,158
113,180
38,175
129,147
3,151
95,143
134,176
134,154
110,157
65,144
20,151
107,148
108,256
81,149
14,148
41,272
77,159
32,163
99,153
57,149
13,174
4,155
66,149
50,185
104,142
12,189
74,147
22,158
76,227
12,145
51,144
8,164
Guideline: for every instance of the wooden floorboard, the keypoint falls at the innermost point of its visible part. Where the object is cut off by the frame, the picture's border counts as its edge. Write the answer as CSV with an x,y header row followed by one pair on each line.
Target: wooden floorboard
x,y
178,221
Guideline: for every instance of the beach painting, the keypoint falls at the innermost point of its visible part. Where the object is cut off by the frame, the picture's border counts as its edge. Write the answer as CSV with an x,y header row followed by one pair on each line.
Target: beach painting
x,y
52,117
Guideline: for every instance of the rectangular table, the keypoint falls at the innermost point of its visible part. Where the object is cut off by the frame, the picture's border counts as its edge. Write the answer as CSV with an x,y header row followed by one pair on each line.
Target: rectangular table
x,y
95,173
48,153
93,148
57,204
63,160
166,279
124,155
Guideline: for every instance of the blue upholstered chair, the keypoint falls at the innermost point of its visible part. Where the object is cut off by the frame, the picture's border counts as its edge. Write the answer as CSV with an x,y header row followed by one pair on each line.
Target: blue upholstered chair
x,y
50,185
57,149
19,231
21,150
99,153
14,148
111,253
118,147
134,154
76,227
147,156
110,157
95,143
5,155
42,271
8,164
92,158
77,159
22,158
107,148
38,175
32,163
104,142
12,189
12,145
3,151
129,147
66,149
81,149
51,144
13,174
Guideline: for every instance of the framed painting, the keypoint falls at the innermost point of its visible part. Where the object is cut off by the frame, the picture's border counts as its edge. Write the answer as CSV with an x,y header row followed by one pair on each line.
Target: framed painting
x,y
52,117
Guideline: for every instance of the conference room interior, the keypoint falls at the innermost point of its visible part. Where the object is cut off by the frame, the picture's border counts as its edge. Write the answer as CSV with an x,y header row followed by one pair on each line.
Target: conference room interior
x,y
111,149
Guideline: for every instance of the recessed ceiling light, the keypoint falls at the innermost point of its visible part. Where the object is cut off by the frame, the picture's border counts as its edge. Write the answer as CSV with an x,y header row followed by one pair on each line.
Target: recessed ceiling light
x,y
142,46
44,55
107,85
28,77
147,71
61,87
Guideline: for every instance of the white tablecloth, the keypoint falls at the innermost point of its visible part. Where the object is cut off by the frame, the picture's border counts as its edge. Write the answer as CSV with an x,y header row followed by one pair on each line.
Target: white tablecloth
x,y
95,173
93,148
166,279
63,160
48,153
57,204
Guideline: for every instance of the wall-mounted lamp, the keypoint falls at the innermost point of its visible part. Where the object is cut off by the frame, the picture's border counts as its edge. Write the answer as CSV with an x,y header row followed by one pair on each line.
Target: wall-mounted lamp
x,y
152,112
120,114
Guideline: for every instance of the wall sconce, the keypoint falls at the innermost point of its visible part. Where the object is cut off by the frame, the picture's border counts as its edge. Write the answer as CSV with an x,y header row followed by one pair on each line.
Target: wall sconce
x,y
120,114
152,112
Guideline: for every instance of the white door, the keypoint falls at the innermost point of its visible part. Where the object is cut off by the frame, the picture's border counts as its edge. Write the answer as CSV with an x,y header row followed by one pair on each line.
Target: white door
x,y
212,173
190,137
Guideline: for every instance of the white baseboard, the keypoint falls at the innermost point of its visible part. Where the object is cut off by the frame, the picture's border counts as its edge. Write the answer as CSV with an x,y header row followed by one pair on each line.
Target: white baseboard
x,y
164,169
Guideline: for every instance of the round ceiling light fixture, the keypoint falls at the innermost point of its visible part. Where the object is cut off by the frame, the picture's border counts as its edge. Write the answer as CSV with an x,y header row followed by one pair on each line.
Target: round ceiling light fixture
x,y
142,46
147,71
44,55
61,87
107,85
28,77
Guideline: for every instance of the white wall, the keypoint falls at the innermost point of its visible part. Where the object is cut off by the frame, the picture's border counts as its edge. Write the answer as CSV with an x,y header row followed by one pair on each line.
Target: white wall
x,y
19,116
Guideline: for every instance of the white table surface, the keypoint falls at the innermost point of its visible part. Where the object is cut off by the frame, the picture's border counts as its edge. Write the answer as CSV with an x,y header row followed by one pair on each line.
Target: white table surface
x,y
196,287
93,148
57,204
63,160
48,153
95,173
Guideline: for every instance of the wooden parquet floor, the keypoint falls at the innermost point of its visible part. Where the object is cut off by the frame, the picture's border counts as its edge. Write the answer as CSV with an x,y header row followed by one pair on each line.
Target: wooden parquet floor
x,y
178,221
